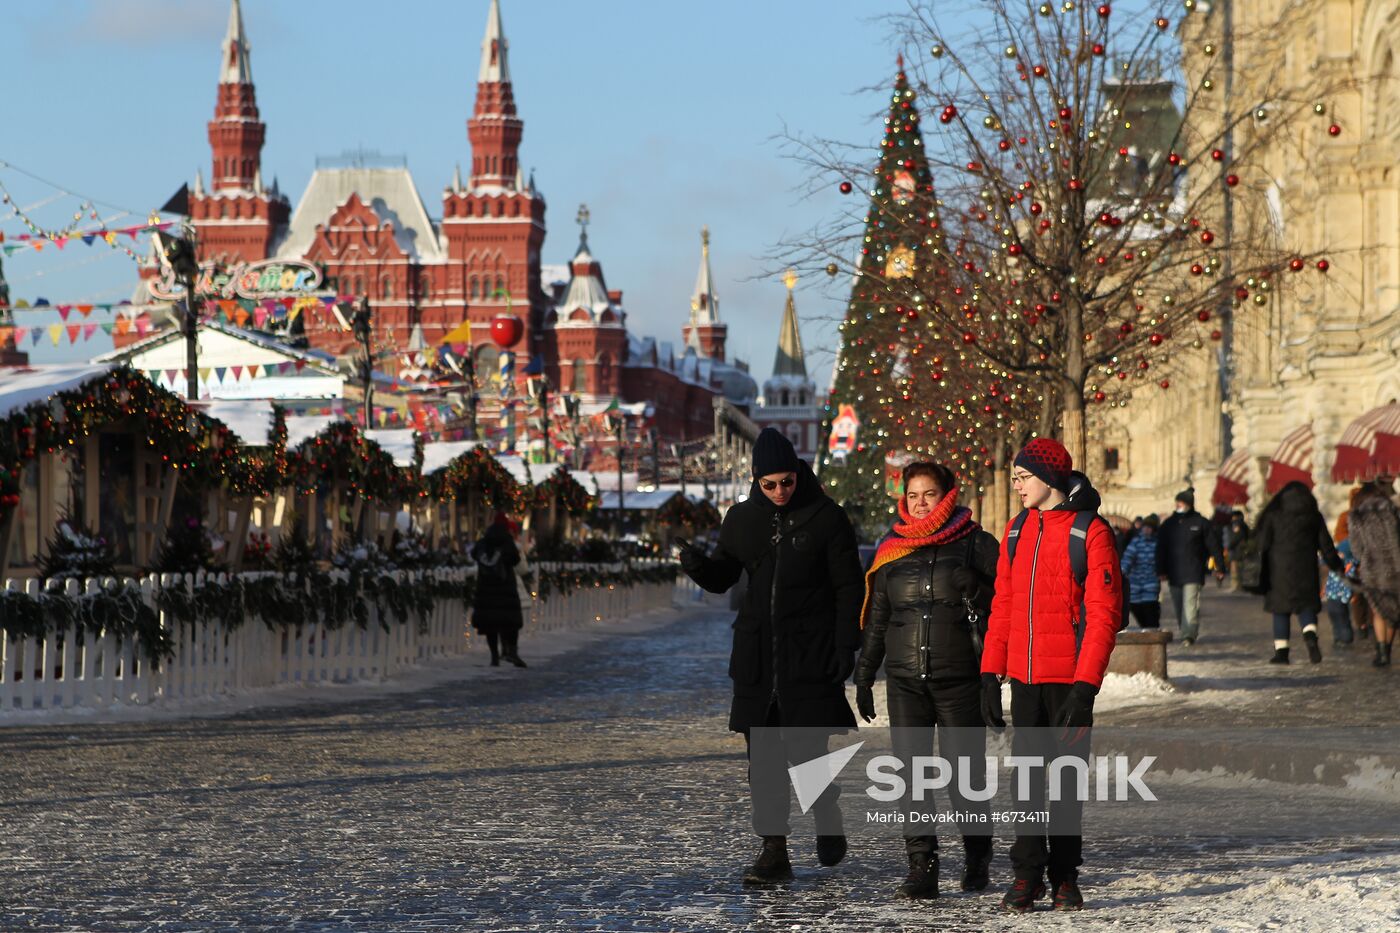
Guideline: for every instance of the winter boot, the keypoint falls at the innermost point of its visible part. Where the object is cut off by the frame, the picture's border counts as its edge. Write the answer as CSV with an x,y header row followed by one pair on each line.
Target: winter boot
x,y
772,864
1023,894
1382,658
1280,656
977,864
1314,652
1067,896
510,650
831,850
923,877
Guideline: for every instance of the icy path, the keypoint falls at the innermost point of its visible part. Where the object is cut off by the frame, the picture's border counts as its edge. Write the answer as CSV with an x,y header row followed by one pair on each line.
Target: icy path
x,y
595,791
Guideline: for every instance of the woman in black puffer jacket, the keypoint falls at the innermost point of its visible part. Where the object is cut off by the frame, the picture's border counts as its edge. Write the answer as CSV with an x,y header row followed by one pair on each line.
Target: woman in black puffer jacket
x,y
1291,535
935,569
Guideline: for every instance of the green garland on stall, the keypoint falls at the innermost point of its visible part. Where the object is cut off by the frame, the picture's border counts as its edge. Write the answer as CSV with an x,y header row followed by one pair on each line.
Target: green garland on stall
x,y
479,471
561,487
119,609
566,580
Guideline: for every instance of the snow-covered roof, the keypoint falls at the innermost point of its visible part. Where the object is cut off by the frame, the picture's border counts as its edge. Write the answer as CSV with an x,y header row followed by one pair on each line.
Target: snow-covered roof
x,y
251,420
537,472
301,428
22,386
316,359
439,454
396,442
637,501
389,192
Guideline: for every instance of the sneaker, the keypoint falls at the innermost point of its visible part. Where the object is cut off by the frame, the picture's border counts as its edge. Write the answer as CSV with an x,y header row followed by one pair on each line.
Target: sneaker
x,y
1314,652
831,850
1187,642
922,882
1023,894
772,865
1067,896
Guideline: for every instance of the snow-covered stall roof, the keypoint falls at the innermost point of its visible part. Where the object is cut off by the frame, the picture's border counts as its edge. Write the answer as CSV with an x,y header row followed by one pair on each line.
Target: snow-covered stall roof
x,y
537,472
396,442
251,420
23,386
439,454
301,428
637,501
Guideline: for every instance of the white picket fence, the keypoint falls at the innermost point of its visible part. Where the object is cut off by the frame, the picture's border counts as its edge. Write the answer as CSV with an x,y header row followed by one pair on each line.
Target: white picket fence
x,y
68,669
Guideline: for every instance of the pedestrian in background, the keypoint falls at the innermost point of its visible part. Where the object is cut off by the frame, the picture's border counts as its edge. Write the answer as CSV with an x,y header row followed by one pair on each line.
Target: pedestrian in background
x,y
1139,564
1185,545
932,573
1291,535
1375,540
795,638
1234,535
496,605
1336,589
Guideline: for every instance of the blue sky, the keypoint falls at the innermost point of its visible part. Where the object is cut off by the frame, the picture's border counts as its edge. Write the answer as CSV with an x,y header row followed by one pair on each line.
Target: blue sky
x,y
659,115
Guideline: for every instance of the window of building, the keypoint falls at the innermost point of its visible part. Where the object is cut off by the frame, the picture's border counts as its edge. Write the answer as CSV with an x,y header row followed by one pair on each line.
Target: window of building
x,y
386,287
476,288
424,286
580,376
500,285
1110,458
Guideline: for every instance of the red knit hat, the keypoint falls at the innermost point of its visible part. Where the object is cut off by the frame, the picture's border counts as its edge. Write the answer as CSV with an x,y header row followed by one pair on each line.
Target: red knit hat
x,y
1047,459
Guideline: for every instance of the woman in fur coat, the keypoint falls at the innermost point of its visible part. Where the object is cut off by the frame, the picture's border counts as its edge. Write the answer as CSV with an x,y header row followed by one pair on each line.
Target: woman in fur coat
x,y
1375,540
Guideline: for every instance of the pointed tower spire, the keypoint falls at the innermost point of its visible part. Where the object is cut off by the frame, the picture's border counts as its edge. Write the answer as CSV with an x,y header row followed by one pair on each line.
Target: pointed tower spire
x,y
790,360
704,303
198,183
495,129
457,179
495,68
235,67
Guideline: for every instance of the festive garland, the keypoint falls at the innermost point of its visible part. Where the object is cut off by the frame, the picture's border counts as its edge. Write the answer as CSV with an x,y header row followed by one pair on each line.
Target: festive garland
x,y
120,609
342,452
561,488
566,580
478,470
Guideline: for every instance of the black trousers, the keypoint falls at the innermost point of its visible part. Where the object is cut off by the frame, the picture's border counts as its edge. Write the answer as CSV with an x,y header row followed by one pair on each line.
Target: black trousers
x,y
507,641
915,708
770,789
1033,711
1147,615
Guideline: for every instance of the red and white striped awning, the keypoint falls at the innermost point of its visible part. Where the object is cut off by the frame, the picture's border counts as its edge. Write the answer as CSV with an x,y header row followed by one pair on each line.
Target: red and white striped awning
x,y
1293,460
1369,446
1232,480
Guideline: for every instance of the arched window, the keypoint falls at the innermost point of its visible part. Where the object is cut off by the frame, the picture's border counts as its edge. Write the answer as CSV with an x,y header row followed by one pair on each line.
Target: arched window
x,y
223,210
783,397
425,289
476,288
386,287
487,361
580,376
359,285
500,285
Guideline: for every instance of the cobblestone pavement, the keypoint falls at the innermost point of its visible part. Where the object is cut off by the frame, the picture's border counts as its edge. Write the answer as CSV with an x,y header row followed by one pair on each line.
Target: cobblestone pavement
x,y
595,791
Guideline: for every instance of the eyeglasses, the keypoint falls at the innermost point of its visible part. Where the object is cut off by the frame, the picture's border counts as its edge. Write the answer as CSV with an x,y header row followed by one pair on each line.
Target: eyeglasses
x,y
767,485
1019,478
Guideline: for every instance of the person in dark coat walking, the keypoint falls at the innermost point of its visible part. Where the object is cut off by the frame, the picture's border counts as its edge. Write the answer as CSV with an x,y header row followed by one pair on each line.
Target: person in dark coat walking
x,y
1291,534
1375,540
496,607
1235,533
1139,566
795,638
935,569
1185,544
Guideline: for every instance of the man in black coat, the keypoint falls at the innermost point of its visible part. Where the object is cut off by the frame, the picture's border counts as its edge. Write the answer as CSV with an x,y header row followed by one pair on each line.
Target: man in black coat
x,y
1185,543
795,637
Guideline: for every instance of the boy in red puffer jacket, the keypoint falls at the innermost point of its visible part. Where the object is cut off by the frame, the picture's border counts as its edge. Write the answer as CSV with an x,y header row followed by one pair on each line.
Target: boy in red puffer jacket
x,y
1051,637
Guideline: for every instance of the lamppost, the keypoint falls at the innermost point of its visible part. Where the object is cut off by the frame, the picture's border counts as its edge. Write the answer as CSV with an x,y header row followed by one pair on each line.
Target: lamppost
x,y
539,388
360,326
618,426
177,254
571,407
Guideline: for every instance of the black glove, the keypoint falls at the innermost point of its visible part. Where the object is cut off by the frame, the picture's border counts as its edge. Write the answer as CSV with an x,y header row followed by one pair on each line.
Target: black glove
x,y
1076,714
692,559
991,703
865,703
966,581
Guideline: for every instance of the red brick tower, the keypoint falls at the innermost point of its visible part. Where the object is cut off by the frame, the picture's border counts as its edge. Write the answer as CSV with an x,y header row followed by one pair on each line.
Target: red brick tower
x,y
704,332
237,218
492,229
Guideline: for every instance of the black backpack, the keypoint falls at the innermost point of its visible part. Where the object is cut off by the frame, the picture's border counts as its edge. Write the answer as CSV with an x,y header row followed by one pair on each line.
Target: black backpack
x,y
1078,560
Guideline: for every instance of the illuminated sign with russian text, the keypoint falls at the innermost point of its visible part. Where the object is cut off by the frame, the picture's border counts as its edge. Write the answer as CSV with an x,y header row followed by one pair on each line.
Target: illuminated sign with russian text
x,y
269,278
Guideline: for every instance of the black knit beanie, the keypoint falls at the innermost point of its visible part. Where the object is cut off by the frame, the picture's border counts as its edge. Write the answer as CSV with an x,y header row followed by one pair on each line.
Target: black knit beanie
x,y
773,453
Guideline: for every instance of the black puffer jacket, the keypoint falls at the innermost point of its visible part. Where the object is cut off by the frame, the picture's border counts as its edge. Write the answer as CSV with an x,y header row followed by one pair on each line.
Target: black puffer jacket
x,y
917,623
496,607
799,626
1291,535
1184,544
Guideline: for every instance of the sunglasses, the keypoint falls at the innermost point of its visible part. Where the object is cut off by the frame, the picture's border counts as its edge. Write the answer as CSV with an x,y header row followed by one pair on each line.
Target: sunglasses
x,y
768,485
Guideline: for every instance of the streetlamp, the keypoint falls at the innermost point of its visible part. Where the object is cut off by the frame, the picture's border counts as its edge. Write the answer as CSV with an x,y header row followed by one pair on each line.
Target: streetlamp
x,y
617,424
177,254
360,326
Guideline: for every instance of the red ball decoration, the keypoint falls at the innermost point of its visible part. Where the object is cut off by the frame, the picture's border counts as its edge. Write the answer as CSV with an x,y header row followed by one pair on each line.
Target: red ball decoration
x,y
1036,208
1155,340
1203,316
1197,268
506,330
1241,293
1323,265
1207,237
1173,158
845,187
1217,154
1014,249
1334,130
1105,9
1232,180
1076,184
1296,264
969,337
1098,48
1215,335
1165,383
1099,396
1162,22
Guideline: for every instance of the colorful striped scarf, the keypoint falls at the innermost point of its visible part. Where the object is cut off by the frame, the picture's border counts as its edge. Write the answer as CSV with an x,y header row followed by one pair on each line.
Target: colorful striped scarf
x,y
947,522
